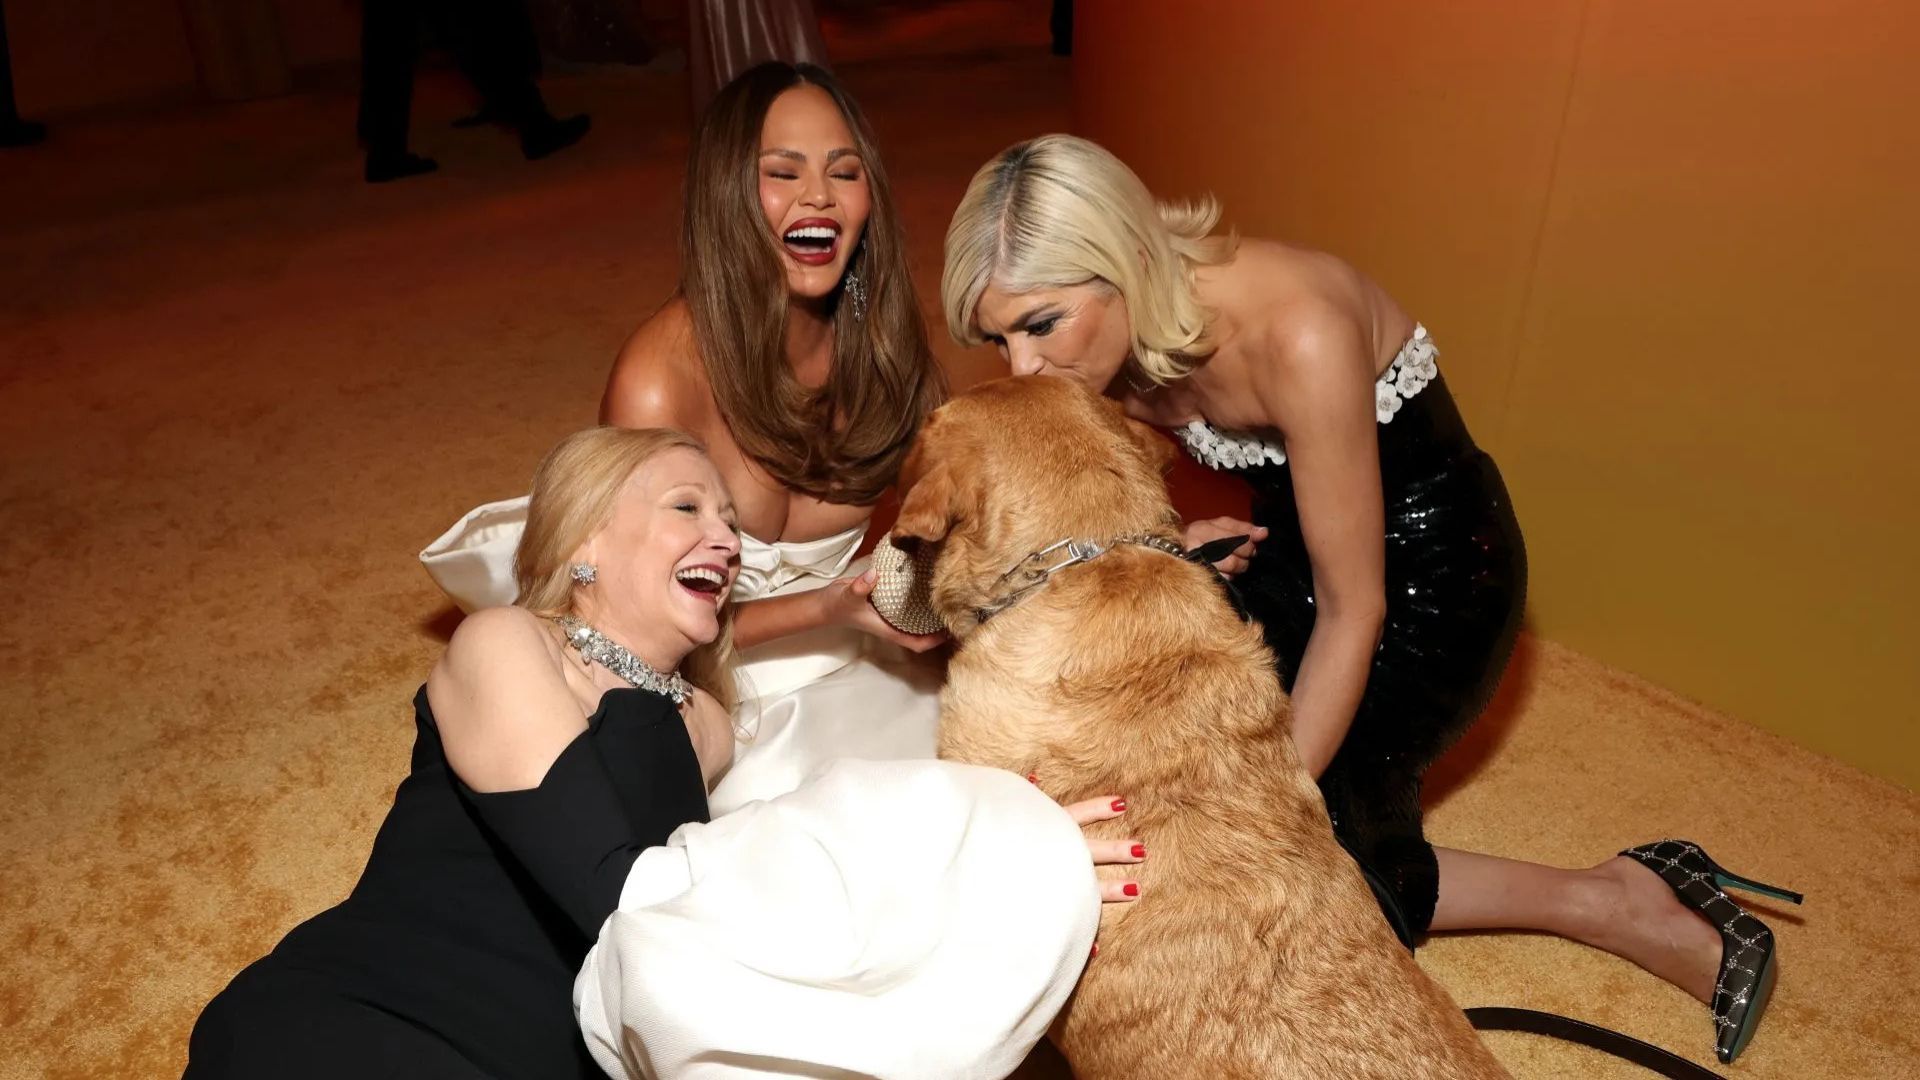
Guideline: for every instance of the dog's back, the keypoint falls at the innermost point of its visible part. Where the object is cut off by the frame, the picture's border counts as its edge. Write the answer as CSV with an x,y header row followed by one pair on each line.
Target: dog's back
x,y
1256,949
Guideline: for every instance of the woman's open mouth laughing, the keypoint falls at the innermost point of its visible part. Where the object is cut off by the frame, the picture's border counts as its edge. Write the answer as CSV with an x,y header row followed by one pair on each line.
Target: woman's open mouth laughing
x,y
812,241
707,581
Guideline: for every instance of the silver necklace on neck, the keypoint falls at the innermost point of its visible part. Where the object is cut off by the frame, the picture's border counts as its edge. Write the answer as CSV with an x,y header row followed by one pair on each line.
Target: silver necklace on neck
x,y
597,648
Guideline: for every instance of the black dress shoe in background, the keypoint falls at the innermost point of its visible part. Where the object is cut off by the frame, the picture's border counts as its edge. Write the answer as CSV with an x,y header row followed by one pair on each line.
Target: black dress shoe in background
x,y
548,135
21,132
384,167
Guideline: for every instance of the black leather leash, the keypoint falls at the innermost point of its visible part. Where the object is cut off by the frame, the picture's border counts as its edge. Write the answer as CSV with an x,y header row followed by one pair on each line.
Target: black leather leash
x,y
1605,1040
1212,552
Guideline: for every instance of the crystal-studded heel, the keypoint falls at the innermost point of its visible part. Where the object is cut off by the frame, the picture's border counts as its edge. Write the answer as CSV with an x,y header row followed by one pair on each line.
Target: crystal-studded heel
x,y
1748,966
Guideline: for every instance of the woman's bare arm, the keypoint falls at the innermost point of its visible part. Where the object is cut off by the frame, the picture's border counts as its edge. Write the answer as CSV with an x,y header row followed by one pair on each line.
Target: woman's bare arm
x,y
1318,390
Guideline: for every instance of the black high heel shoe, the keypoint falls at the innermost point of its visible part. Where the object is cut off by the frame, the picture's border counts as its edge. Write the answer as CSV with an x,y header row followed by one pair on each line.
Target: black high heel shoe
x,y
1747,962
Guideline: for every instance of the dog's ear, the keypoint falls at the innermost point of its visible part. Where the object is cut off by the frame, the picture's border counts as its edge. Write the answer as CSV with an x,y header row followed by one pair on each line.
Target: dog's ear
x,y
927,510
1157,447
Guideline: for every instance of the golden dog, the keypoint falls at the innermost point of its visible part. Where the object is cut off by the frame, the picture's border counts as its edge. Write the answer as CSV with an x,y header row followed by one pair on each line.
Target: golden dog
x,y
1256,949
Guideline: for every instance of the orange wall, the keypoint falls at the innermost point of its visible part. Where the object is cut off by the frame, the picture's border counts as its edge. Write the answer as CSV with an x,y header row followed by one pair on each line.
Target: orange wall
x,y
1669,253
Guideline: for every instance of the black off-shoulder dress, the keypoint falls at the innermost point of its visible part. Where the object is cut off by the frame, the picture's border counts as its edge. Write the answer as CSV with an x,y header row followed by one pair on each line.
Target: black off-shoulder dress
x,y
455,954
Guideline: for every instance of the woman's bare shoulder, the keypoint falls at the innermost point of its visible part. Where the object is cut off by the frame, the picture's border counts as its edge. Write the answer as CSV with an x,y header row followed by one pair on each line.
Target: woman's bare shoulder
x,y
493,649
492,637
501,700
1270,271
1282,299
657,380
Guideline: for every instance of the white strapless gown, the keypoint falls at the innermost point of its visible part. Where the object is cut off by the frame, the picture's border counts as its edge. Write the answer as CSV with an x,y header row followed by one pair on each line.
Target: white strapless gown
x,y
804,700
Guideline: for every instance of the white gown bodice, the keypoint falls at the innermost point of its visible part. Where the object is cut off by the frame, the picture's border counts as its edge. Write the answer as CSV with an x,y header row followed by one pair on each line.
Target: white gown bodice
x,y
767,568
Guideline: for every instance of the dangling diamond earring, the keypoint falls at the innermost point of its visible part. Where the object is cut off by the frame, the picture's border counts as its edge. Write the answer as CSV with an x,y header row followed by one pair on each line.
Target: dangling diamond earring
x,y
856,294
584,573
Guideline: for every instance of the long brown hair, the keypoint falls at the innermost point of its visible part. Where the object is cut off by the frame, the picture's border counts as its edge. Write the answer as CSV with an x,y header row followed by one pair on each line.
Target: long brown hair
x,y
574,490
844,441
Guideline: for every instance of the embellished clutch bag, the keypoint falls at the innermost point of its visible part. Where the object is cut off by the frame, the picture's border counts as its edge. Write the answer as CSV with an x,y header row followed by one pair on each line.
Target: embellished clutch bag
x,y
902,588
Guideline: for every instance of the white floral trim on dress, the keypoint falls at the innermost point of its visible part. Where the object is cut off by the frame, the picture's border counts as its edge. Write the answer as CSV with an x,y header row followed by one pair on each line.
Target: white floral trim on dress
x,y
1413,367
1217,449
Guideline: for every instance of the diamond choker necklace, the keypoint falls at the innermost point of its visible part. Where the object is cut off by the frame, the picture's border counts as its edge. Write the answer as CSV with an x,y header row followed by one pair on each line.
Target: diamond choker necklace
x,y
596,647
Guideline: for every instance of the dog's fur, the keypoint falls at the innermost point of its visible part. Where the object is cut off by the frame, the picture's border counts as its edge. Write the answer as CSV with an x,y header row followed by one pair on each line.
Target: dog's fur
x,y
1256,949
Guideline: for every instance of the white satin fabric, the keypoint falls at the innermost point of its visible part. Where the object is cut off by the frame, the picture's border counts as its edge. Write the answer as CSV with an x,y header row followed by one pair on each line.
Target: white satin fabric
x,y
472,562
889,920
804,700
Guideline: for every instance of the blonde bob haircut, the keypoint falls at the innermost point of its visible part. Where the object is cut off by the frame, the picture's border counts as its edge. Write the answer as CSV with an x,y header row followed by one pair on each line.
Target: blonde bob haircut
x,y
1059,211
574,491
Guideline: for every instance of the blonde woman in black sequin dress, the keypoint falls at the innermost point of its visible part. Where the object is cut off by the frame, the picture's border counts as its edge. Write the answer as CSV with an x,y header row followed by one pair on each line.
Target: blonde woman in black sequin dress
x,y
1387,565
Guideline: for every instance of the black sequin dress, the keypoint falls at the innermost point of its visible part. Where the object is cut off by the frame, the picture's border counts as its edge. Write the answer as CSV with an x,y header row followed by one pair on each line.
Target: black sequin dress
x,y
1456,578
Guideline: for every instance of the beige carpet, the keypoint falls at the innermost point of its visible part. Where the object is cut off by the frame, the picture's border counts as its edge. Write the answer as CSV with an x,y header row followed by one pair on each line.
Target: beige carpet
x,y
239,389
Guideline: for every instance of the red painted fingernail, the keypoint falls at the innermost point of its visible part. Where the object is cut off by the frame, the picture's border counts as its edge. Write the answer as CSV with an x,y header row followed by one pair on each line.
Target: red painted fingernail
x,y
1130,889
1033,778
1095,952
1139,851
1119,805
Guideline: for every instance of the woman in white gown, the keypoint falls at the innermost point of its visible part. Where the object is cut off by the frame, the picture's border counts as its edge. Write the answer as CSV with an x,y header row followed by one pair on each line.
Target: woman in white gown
x,y
796,351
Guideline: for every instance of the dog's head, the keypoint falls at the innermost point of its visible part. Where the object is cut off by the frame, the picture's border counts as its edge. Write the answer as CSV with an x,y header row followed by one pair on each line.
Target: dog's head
x,y
1014,465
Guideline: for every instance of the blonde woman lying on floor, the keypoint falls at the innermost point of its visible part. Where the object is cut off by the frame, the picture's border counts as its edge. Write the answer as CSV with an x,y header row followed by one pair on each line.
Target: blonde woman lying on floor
x,y
559,776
